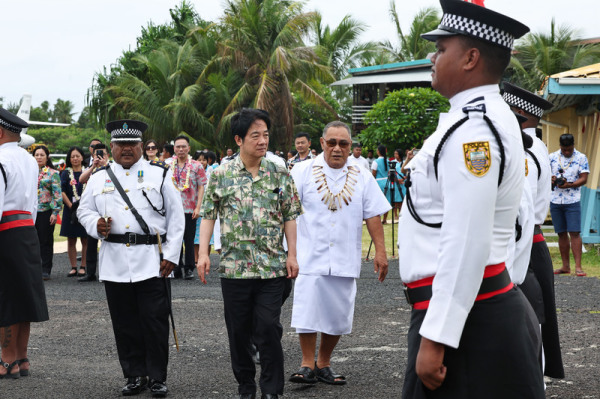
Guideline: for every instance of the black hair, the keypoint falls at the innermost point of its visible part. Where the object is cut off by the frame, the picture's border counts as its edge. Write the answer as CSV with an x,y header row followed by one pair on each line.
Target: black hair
x,y
45,149
74,148
151,141
240,122
496,58
181,136
169,148
383,152
92,140
293,152
197,154
302,134
99,146
567,140
211,157
399,151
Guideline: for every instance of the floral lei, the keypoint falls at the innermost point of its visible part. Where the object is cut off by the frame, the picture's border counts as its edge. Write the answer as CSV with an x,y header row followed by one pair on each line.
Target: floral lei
x,y
177,176
74,183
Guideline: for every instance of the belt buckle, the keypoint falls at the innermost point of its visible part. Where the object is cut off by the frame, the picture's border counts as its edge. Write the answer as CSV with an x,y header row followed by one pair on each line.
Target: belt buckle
x,y
406,295
131,239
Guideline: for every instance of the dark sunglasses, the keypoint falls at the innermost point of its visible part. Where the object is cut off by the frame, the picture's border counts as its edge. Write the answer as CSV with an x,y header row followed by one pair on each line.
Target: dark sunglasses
x,y
333,142
151,147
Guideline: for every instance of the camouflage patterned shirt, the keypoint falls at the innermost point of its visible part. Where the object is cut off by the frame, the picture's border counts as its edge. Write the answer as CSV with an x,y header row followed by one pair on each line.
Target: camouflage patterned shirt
x,y
252,213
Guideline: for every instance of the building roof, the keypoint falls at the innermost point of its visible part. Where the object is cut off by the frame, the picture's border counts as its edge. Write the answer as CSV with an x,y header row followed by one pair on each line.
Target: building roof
x,y
576,86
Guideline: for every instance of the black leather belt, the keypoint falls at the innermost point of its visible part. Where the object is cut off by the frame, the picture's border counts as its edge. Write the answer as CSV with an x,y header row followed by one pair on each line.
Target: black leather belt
x,y
135,239
488,284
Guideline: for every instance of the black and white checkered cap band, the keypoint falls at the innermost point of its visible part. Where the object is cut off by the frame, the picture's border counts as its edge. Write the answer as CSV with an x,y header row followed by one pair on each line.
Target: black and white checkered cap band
x,y
526,106
477,29
126,135
10,127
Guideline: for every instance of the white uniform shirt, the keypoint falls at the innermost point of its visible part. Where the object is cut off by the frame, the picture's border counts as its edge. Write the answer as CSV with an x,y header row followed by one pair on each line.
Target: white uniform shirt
x,y
119,263
362,161
519,252
540,188
330,243
478,216
20,191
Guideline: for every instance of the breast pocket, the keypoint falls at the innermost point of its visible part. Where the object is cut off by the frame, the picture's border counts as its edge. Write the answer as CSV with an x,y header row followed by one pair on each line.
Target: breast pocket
x,y
271,220
147,195
104,198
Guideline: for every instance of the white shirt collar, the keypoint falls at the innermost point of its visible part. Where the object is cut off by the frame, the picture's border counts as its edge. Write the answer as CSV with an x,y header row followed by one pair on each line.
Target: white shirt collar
x,y
462,98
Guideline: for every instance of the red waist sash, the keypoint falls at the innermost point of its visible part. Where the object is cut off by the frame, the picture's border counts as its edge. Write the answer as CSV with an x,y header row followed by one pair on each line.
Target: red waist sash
x,y
12,219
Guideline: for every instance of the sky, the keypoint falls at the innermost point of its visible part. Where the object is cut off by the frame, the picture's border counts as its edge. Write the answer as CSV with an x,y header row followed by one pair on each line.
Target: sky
x,y
52,49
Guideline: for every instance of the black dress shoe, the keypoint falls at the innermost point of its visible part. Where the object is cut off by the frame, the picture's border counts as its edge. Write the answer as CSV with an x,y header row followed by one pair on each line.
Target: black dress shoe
x,y
177,272
189,274
269,396
87,278
247,396
134,386
158,389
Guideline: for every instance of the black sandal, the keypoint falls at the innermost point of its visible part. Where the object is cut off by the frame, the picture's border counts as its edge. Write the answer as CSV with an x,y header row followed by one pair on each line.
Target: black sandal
x,y
8,368
24,373
304,375
73,272
81,268
327,376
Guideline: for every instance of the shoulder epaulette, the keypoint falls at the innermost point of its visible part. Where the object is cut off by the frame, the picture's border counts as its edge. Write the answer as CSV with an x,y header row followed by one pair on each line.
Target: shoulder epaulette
x,y
99,169
160,164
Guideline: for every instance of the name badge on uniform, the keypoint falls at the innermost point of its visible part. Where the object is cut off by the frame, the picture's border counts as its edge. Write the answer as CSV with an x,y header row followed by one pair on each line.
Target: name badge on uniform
x,y
477,157
109,186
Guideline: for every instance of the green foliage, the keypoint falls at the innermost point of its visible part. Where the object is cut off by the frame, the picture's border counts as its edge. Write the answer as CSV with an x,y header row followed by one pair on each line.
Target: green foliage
x,y
404,118
312,117
60,139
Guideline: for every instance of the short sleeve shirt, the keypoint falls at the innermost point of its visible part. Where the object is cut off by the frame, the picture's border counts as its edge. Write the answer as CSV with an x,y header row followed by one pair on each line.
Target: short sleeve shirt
x,y
573,167
252,213
188,187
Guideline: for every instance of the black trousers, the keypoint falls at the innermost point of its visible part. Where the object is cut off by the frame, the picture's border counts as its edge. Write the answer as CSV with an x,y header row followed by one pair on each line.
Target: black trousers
x,y
541,264
45,233
497,357
188,261
91,256
252,312
140,317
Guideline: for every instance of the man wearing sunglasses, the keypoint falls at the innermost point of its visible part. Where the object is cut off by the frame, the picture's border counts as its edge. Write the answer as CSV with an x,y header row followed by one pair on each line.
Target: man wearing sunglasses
x,y
337,195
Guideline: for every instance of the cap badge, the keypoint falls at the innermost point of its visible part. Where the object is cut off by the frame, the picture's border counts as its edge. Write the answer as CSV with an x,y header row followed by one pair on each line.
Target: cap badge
x,y
125,126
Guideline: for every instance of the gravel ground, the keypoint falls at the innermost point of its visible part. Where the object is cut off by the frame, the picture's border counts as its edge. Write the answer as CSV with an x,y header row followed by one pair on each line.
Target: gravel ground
x,y
74,356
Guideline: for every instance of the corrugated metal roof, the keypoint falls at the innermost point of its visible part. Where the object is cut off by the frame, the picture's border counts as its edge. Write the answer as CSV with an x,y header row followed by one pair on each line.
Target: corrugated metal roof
x,y
588,71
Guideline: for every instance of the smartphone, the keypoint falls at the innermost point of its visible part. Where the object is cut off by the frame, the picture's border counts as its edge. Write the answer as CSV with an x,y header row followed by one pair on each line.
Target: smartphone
x,y
100,153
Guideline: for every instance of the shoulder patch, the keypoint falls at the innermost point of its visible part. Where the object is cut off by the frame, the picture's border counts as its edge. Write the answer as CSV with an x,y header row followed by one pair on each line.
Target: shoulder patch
x,y
99,169
477,157
160,164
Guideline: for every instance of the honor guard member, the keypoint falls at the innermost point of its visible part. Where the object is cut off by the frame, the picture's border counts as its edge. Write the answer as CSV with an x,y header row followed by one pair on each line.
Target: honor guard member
x,y
539,177
131,206
472,333
22,295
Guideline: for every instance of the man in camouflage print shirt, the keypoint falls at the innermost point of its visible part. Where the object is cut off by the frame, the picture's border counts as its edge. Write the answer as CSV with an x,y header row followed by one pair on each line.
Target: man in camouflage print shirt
x,y
257,202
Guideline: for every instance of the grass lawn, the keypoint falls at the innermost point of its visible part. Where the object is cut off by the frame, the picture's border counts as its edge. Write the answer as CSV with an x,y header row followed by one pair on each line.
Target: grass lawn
x,y
590,261
57,236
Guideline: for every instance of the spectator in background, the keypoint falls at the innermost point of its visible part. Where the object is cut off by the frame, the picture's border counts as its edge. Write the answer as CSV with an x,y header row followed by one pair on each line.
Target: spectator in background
x,y
49,206
570,170
400,183
302,143
151,150
314,152
89,159
381,171
167,153
357,157
370,158
229,152
100,153
189,179
71,194
291,154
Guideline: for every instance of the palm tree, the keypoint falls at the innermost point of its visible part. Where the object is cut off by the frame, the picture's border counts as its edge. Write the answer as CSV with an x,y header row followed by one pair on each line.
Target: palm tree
x,y
63,111
412,46
538,55
340,48
263,42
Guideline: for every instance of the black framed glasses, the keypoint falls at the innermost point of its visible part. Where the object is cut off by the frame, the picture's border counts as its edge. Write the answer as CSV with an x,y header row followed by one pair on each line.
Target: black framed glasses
x,y
151,147
342,143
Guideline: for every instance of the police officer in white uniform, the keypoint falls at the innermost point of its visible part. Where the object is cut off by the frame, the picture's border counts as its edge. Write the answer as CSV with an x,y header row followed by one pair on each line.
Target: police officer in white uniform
x,y
131,265
472,333
23,299
539,177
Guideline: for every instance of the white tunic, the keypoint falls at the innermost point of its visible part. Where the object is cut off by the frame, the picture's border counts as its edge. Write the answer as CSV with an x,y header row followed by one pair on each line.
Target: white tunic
x,y
20,191
330,243
362,161
119,263
478,216
540,188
